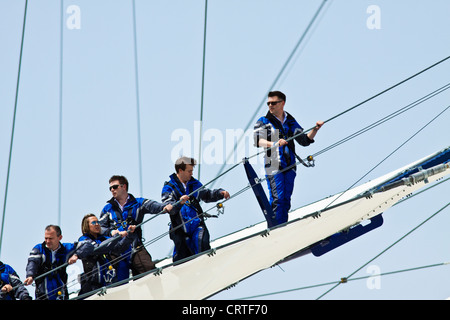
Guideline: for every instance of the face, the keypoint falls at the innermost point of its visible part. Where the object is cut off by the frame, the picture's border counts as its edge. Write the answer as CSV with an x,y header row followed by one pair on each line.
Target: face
x,y
275,108
186,175
94,226
51,239
118,190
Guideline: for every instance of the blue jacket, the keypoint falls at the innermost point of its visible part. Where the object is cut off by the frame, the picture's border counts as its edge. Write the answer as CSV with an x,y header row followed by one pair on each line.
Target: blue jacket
x,y
172,192
40,262
112,217
96,264
9,276
271,129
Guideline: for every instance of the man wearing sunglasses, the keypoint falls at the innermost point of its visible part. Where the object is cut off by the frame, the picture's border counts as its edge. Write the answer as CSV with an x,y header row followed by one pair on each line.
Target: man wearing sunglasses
x,y
274,131
123,210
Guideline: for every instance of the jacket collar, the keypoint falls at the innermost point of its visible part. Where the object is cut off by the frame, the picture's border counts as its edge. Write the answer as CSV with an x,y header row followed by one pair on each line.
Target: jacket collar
x,y
113,202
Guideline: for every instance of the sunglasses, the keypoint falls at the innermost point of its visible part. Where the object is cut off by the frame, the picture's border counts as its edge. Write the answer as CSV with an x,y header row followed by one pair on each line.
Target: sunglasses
x,y
273,103
114,187
94,223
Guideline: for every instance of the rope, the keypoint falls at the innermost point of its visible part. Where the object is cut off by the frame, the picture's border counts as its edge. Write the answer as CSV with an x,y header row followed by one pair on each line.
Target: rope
x,y
13,123
385,250
261,104
385,119
297,163
60,129
138,116
417,102
345,280
161,236
356,106
203,88
379,163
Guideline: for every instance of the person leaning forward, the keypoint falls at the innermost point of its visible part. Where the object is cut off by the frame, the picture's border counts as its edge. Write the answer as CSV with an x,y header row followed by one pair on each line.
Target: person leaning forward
x,y
46,256
98,265
123,210
188,229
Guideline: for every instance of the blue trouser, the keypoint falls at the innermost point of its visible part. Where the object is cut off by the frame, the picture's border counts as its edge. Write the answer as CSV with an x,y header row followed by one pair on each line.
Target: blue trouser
x,y
187,245
123,265
281,186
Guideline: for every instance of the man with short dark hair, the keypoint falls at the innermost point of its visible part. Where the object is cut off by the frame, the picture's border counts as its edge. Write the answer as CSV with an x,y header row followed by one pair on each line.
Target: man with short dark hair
x,y
44,257
123,210
273,130
188,228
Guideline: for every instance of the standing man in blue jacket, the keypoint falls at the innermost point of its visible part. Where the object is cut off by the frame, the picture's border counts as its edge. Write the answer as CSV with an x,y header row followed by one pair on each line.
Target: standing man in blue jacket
x,y
273,130
123,210
188,228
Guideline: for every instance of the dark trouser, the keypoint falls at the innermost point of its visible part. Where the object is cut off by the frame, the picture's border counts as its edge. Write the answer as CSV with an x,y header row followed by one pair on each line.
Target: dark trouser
x,y
141,261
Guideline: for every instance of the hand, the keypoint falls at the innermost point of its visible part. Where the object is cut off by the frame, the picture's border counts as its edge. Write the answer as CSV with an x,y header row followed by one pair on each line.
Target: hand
x,y
183,199
131,229
282,142
123,234
7,288
168,208
319,124
73,259
226,195
28,281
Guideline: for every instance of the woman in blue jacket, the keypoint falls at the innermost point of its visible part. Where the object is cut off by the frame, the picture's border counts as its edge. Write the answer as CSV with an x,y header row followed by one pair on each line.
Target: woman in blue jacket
x,y
99,266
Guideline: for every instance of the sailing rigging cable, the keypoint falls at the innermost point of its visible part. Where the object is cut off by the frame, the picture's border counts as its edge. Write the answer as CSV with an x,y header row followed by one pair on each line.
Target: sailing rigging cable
x,y
61,46
389,247
359,132
280,73
154,240
345,280
18,80
379,163
13,124
329,283
373,125
203,89
138,113
392,115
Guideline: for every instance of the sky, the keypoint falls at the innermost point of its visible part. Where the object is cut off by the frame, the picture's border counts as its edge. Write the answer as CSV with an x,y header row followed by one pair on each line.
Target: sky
x,y
354,50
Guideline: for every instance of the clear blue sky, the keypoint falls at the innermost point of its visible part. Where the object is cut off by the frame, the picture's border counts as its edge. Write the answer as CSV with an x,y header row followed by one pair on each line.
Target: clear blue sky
x,y
340,63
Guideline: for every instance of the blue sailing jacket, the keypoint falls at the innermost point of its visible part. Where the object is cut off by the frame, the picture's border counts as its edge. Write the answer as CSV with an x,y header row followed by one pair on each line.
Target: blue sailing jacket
x,y
9,276
271,129
41,261
172,192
